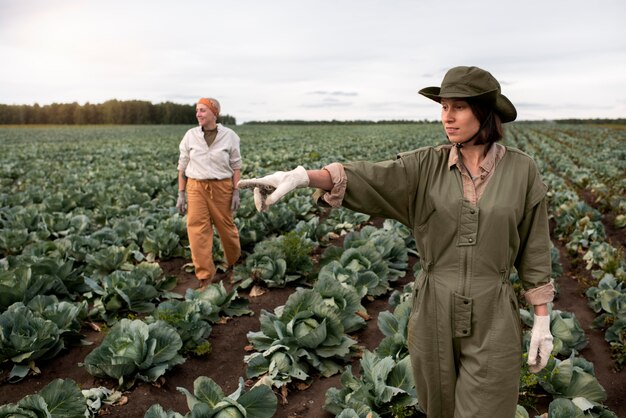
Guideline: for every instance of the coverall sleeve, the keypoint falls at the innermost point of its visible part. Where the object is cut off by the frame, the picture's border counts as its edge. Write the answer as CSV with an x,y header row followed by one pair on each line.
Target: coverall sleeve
x,y
534,261
379,189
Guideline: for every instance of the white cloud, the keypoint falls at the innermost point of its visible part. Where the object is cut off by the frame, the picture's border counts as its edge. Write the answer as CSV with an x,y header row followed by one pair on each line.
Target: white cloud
x,y
274,59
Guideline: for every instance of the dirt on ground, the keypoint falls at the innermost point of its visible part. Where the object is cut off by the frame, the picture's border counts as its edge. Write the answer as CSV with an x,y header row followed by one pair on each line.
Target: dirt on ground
x,y
225,363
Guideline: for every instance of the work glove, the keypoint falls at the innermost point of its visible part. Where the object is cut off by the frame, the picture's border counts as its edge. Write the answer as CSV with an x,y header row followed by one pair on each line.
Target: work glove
x,y
235,202
270,189
180,202
540,344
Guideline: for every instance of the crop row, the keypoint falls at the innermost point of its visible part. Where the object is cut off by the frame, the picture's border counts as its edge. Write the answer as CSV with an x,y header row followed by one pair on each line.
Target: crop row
x,y
579,225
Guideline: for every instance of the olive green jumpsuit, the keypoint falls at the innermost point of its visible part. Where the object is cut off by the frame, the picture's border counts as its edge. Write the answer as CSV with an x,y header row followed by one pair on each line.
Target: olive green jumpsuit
x,y
464,330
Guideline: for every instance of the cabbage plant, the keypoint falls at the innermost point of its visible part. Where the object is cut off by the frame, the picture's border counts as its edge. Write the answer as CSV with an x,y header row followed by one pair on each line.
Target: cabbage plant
x,y
277,261
26,337
97,397
603,255
572,378
395,329
362,267
370,258
107,260
385,387
279,218
345,299
39,330
391,247
578,408
208,400
135,350
191,321
608,297
40,276
267,269
68,316
568,334
399,296
162,244
252,228
342,220
305,332
13,241
224,302
136,290
314,230
60,398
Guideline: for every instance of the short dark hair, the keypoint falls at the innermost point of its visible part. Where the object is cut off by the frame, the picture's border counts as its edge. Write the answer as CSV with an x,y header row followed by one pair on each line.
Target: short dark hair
x,y
490,123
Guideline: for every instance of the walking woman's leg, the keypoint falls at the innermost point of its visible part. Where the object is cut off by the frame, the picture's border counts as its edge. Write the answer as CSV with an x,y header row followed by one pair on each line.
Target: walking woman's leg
x,y
223,219
200,229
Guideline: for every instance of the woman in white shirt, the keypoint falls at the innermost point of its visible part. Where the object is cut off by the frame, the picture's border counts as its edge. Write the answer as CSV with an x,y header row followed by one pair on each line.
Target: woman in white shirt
x,y
209,168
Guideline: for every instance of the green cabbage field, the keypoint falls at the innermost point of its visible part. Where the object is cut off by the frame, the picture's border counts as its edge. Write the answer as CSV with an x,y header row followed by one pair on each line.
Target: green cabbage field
x,y
95,272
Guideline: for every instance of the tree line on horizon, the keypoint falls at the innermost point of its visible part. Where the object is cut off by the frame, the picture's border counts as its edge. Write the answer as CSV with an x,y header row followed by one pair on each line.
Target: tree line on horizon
x,y
338,122
140,112
111,112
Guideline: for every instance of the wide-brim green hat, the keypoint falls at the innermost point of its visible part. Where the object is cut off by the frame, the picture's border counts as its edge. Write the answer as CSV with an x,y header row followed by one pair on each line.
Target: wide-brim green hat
x,y
475,83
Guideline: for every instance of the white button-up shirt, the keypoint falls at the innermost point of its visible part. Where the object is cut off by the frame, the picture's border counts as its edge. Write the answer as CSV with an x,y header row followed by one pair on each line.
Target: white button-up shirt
x,y
216,162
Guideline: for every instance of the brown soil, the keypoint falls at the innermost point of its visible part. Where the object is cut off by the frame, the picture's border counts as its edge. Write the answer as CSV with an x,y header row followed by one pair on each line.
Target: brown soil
x,y
225,364
571,298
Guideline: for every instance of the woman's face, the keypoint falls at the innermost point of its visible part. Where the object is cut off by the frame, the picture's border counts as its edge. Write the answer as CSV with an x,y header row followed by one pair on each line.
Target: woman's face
x,y
458,120
205,117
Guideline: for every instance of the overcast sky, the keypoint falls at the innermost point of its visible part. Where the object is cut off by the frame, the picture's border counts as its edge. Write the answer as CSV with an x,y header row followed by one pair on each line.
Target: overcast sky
x,y
311,60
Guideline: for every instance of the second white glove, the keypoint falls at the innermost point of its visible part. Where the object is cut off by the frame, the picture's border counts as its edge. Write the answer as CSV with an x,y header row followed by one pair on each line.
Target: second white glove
x,y
270,189
540,344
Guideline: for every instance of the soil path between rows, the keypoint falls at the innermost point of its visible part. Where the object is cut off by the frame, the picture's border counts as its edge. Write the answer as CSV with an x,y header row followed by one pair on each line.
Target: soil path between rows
x,y
571,298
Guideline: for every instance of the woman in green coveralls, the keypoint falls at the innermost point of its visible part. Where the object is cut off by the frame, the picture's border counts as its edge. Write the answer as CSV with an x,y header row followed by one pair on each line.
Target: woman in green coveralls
x,y
477,209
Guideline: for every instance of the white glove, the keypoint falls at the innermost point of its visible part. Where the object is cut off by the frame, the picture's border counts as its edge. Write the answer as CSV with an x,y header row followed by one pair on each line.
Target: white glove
x,y
270,189
540,344
180,202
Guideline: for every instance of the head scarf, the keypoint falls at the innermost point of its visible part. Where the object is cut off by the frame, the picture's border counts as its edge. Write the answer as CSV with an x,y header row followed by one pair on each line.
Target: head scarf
x,y
209,103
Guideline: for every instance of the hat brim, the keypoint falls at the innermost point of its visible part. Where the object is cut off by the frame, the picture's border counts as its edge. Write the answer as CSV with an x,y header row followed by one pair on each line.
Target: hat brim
x,y
505,109
503,106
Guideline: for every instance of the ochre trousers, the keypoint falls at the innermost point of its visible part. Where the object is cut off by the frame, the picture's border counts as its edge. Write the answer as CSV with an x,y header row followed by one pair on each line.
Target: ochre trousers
x,y
208,204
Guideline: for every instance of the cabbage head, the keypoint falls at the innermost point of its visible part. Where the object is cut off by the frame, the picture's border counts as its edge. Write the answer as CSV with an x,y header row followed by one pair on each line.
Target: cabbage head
x,y
208,400
573,378
59,398
567,332
134,349
26,337
307,332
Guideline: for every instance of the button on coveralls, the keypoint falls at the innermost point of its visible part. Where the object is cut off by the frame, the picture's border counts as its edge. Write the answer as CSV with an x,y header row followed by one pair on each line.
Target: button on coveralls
x,y
464,331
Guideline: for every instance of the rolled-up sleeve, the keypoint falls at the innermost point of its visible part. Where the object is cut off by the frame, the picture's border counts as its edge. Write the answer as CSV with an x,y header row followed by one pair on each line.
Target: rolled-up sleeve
x,y
334,197
534,261
540,295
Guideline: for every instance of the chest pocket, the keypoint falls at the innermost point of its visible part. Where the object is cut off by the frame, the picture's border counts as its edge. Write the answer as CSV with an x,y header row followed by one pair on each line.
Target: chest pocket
x,y
468,224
